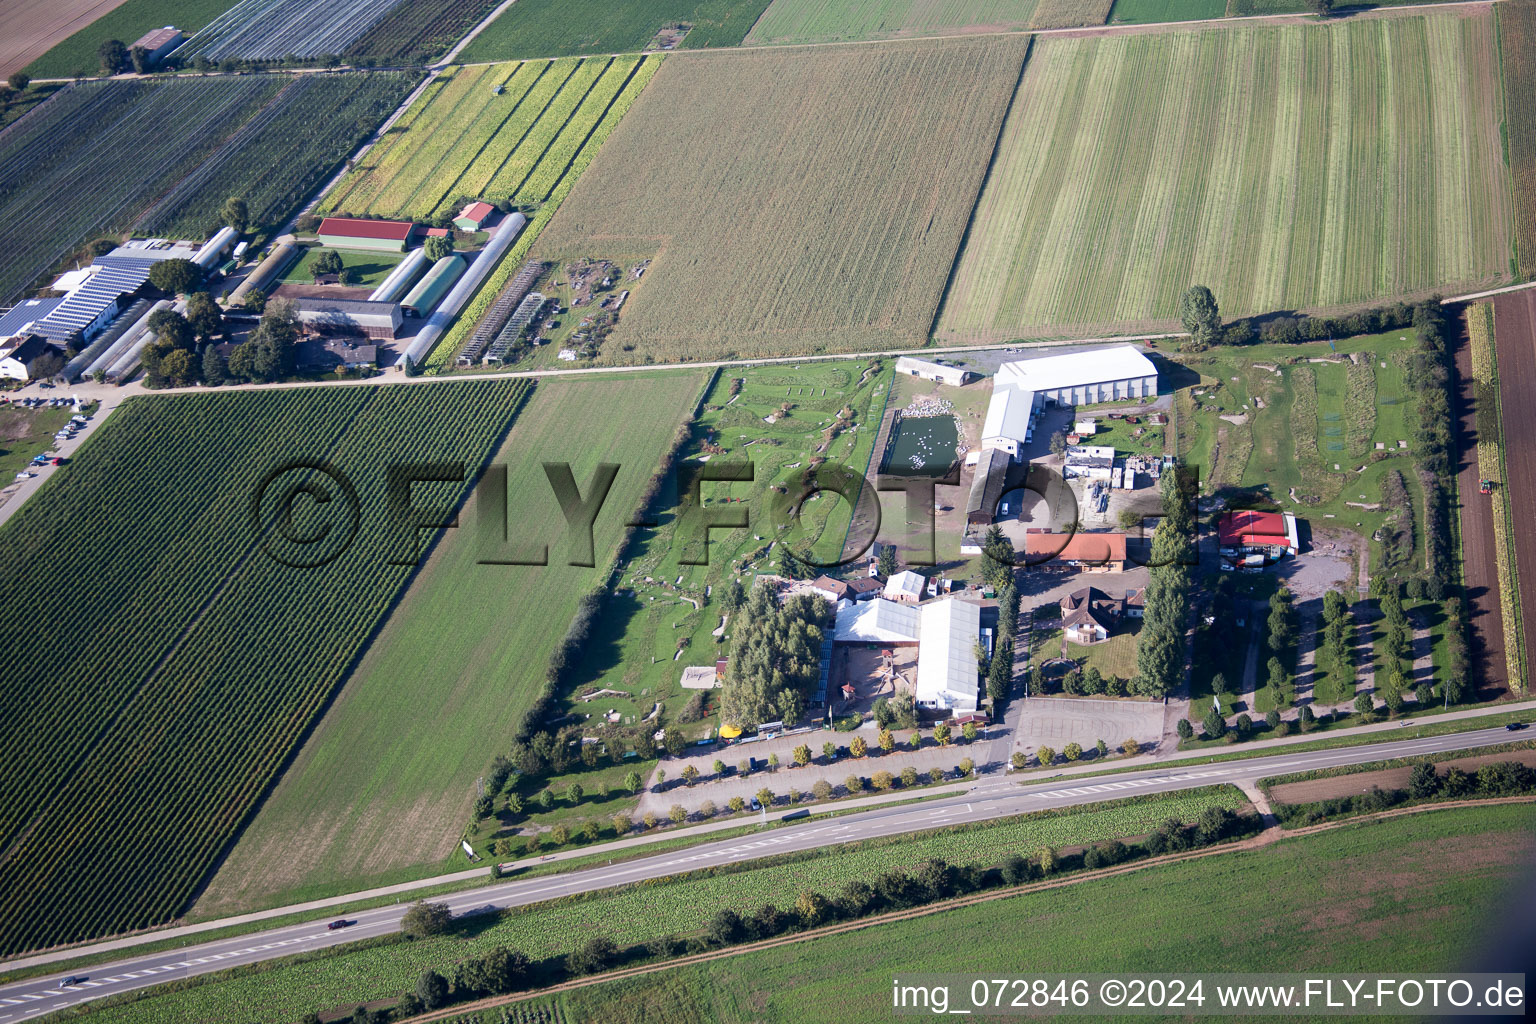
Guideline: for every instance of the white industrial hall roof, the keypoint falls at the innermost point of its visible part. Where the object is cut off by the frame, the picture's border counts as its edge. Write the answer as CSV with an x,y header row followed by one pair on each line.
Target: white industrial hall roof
x,y
905,582
946,658
1009,411
1050,373
877,621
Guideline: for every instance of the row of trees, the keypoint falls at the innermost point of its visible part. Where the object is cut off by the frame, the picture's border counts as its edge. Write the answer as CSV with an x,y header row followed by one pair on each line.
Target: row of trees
x,y
505,970
1425,783
185,347
1201,317
1160,646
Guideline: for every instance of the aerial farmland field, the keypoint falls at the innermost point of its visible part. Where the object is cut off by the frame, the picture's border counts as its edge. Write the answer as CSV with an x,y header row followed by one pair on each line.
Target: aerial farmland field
x,y
1517,43
563,28
126,21
281,156
769,236
268,138
822,21
1297,174
64,164
209,657
498,131
470,642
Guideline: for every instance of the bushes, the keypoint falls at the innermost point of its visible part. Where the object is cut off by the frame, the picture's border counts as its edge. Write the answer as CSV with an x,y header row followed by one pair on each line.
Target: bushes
x,y
1425,784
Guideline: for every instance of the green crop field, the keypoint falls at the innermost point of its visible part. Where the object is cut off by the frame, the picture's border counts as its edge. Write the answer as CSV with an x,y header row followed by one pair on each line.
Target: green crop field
x,y
420,31
208,657
769,237
469,642
1517,55
1286,167
559,28
641,912
278,160
1142,12
1402,892
126,22
498,132
825,21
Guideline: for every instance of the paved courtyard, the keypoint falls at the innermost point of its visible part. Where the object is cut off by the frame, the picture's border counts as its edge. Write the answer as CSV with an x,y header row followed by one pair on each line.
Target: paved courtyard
x,y
1056,721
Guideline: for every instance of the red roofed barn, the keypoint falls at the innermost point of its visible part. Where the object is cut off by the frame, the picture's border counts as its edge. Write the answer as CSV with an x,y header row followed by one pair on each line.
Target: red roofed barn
x,y
378,235
1267,533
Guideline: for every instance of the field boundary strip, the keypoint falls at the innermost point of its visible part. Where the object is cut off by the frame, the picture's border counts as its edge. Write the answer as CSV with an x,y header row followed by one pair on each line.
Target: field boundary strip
x,y
1269,836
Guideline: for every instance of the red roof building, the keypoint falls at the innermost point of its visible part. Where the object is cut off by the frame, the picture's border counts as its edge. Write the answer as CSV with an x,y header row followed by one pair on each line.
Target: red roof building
x,y
473,216
353,233
1272,533
1103,551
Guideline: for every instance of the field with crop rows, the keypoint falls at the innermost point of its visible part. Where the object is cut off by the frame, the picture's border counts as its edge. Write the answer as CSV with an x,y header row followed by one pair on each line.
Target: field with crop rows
x,y
1396,892
464,139
274,29
640,912
85,163
826,21
1069,13
566,28
469,640
282,155
769,237
454,338
76,55
1517,45
1142,12
1287,167
419,32
146,747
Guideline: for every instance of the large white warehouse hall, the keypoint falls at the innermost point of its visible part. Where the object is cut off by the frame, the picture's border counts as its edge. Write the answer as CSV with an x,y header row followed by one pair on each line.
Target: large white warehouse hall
x,y
1082,378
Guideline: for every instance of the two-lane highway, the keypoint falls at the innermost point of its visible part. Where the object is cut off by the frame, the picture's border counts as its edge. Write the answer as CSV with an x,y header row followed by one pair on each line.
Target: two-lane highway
x,y
992,797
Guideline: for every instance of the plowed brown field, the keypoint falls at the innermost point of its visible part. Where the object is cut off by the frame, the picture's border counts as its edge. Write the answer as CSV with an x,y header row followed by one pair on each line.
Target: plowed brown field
x,y
1514,320
1479,565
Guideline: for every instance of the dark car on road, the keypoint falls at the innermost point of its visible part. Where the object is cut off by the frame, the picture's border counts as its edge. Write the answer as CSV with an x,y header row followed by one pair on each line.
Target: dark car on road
x,y
337,925
1513,726
74,979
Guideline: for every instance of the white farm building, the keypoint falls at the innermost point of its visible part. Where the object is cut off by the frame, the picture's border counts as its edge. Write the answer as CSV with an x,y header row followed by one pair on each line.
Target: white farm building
x,y
1107,374
938,372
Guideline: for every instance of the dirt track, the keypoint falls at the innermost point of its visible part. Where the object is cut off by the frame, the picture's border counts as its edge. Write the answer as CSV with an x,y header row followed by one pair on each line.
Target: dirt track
x,y
1480,571
1514,317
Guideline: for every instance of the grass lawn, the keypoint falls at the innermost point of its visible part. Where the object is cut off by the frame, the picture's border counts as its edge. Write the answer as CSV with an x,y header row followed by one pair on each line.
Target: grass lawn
x,y
127,22
1399,891
821,21
368,268
1143,12
382,790
1114,657
24,102
25,433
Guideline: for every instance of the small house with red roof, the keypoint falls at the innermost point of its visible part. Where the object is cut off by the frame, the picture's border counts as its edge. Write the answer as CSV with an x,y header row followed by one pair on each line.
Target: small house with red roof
x,y
1246,532
474,216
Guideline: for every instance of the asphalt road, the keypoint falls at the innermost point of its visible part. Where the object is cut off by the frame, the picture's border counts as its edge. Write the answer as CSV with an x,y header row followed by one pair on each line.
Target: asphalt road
x,y
993,796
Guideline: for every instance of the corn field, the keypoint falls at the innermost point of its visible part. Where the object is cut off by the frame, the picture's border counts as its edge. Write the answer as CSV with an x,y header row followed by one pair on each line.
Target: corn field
x,y
792,205
1290,167
172,663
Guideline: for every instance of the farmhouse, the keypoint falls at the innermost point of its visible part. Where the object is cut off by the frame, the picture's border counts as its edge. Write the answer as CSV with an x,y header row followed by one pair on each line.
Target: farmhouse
x,y
905,586
18,352
936,372
1080,378
1093,552
159,42
865,588
330,353
350,316
1089,615
473,216
1270,534
377,235
829,588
